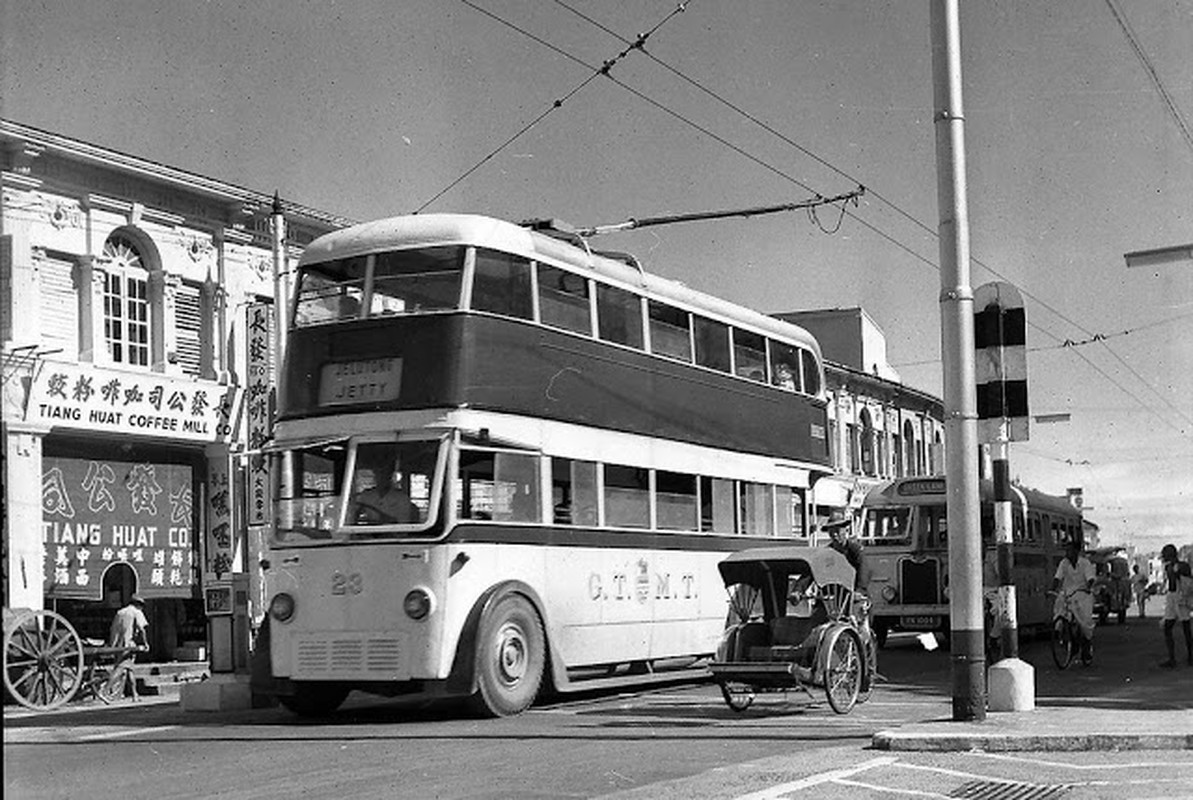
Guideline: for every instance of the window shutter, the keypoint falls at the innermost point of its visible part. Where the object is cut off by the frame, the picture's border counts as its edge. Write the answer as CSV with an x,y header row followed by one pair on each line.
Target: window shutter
x,y
59,306
188,321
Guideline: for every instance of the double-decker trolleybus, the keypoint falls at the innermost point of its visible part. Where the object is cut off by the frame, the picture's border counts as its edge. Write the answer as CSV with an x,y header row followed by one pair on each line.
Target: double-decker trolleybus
x,y
904,529
504,462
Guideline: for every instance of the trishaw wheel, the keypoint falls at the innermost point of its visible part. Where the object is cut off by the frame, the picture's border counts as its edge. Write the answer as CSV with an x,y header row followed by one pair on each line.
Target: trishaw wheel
x,y
843,669
738,696
43,660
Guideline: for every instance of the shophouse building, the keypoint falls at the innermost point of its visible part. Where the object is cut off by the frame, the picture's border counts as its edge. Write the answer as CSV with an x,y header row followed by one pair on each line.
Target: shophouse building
x,y
879,428
126,290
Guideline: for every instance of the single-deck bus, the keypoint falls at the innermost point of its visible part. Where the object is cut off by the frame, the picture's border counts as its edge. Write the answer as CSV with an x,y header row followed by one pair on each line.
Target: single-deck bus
x,y
506,463
904,529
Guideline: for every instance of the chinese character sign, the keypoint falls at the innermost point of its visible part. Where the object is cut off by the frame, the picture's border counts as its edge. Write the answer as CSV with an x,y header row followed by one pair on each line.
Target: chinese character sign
x,y
97,513
258,409
220,544
82,396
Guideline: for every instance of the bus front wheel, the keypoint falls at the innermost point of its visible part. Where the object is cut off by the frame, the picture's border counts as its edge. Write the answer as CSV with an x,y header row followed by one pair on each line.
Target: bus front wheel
x,y
510,656
314,699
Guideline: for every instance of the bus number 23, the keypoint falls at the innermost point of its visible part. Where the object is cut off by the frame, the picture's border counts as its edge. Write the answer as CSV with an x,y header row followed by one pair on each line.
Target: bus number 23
x,y
346,584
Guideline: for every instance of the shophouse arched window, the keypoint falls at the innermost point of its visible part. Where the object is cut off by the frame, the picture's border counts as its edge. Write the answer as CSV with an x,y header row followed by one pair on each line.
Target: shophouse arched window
x,y
867,442
126,302
909,446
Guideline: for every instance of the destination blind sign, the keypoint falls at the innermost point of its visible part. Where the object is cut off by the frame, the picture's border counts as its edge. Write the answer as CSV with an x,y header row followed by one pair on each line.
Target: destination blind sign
x,y
369,381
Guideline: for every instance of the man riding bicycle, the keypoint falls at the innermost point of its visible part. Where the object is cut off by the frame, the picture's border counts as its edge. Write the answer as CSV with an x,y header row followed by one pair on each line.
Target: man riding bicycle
x,y
1074,580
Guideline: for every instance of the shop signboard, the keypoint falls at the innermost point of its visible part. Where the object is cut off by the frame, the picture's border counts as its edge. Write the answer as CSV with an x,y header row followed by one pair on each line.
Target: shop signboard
x,y
97,513
106,400
258,408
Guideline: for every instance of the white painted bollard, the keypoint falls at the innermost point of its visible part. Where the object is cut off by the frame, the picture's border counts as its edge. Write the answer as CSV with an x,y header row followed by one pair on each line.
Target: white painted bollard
x,y
1011,686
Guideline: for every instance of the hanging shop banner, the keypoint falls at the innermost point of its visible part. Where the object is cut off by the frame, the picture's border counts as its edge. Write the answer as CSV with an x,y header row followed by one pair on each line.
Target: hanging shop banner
x,y
258,408
99,513
99,399
220,544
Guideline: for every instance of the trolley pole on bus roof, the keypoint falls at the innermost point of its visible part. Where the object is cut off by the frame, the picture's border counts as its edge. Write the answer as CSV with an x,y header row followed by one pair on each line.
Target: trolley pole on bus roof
x,y
957,350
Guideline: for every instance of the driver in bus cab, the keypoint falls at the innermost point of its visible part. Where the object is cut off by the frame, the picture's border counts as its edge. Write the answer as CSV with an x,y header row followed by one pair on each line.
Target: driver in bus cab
x,y
385,501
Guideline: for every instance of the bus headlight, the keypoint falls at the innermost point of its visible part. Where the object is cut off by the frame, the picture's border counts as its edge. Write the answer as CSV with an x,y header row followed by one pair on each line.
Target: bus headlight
x,y
417,604
281,607
889,594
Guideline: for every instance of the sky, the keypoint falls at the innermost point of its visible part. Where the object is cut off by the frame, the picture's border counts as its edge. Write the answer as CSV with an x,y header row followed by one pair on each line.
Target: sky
x,y
383,107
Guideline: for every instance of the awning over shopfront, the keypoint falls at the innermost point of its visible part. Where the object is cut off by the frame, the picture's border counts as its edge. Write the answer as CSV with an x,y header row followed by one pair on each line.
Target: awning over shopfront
x,y
100,513
842,491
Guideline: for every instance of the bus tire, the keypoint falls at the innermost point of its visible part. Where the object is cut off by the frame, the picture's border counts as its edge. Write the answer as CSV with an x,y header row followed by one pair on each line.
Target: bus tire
x,y
510,657
312,699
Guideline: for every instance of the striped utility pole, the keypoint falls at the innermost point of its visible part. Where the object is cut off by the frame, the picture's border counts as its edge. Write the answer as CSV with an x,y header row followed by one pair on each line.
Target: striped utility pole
x,y
1000,343
957,355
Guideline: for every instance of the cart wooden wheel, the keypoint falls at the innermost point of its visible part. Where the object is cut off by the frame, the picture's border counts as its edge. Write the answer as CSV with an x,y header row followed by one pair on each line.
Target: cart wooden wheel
x,y
43,660
738,696
843,669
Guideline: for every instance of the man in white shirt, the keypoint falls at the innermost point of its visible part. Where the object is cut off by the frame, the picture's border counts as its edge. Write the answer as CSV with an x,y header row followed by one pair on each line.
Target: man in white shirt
x,y
1075,579
129,625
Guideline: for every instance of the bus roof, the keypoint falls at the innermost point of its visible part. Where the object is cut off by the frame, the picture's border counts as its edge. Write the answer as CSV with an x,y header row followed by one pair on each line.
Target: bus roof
x,y
432,230
931,489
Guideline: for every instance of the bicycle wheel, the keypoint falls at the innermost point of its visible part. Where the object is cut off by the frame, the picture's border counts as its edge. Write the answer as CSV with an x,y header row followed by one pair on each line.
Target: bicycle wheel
x,y
1062,642
844,667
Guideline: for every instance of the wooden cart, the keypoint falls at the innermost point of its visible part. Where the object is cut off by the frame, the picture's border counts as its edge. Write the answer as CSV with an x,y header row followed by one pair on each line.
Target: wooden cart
x,y
47,663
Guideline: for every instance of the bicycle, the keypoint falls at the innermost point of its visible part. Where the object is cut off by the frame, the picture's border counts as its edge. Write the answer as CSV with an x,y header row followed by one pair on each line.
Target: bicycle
x,y
1066,634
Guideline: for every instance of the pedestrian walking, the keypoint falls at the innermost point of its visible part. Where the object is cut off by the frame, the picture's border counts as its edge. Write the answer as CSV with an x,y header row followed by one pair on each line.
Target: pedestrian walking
x,y
1178,580
129,626
1139,586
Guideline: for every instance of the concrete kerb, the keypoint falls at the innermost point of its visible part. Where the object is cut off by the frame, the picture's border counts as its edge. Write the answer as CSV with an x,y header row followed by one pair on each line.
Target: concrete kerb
x,y
1046,730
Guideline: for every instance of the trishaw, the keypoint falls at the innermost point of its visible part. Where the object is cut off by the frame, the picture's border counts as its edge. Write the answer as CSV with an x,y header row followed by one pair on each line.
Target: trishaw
x,y
794,623
47,663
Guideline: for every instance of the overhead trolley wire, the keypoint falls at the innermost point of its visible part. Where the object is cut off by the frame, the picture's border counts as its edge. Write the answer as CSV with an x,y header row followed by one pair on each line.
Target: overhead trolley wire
x,y
907,215
597,71
1169,104
639,45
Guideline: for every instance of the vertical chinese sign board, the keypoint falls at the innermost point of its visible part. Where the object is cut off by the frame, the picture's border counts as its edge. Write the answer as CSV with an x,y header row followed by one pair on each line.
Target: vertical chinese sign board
x,y
259,407
100,512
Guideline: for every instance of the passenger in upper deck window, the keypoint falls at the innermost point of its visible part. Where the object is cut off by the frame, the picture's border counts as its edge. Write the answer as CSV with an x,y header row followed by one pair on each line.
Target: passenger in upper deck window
x,y
784,378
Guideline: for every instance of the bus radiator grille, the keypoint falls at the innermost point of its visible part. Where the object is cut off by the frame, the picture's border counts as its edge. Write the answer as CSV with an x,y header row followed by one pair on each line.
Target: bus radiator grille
x,y
339,656
919,582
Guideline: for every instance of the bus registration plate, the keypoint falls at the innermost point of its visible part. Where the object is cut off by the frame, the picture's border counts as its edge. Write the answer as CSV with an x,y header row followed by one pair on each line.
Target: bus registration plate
x,y
920,622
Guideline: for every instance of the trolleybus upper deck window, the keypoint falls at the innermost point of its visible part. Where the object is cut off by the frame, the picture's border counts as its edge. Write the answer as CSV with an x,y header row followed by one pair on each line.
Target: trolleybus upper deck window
x,y
330,291
417,280
502,285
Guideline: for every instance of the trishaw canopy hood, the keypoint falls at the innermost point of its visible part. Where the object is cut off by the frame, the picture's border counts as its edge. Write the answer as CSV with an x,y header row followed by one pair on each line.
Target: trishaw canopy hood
x,y
751,566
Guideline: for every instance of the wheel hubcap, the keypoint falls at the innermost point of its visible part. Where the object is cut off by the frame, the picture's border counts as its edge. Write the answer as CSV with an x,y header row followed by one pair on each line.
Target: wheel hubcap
x,y
511,654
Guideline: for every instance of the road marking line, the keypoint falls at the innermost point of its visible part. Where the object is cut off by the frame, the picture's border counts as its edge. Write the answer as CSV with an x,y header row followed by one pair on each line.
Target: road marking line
x,y
876,789
1047,763
774,792
130,732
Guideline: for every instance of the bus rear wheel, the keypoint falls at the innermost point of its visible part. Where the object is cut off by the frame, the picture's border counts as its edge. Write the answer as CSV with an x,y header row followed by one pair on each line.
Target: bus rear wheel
x,y
314,699
510,657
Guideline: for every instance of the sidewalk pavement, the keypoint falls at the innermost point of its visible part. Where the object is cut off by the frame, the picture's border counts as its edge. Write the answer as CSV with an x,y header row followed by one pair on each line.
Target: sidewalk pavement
x,y
1050,728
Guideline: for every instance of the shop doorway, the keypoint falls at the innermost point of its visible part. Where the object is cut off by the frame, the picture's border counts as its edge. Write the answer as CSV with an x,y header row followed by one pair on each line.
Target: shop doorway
x,y
120,584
